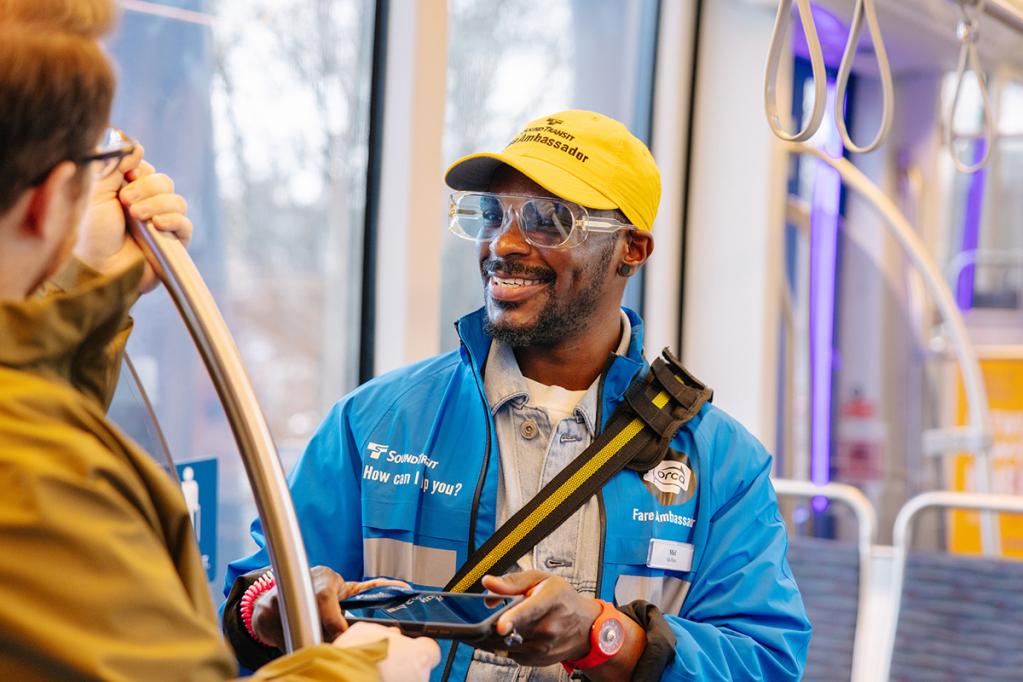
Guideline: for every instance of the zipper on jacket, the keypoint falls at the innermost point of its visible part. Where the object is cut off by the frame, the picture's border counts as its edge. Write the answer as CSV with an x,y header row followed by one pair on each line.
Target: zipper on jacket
x,y
486,455
600,493
479,492
475,499
451,661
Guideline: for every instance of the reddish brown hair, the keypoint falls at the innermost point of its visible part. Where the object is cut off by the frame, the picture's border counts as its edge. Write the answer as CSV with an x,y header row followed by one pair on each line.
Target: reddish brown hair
x,y
56,87
87,18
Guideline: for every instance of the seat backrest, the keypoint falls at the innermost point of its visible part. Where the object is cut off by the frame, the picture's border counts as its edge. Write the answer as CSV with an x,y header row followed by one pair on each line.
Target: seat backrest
x,y
828,575
961,618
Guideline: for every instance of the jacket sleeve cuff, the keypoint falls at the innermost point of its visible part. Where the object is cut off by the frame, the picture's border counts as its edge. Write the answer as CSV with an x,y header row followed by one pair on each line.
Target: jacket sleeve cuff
x,y
326,662
660,640
250,653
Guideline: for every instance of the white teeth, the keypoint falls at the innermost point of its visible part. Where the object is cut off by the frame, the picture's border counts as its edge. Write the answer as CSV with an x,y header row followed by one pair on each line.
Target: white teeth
x,y
514,282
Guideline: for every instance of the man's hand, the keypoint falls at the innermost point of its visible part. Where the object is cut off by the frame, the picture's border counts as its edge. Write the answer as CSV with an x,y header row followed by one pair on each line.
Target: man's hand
x,y
330,588
554,620
408,660
135,191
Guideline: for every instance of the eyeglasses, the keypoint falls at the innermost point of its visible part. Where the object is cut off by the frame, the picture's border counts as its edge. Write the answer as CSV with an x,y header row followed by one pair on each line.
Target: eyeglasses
x,y
113,147
546,222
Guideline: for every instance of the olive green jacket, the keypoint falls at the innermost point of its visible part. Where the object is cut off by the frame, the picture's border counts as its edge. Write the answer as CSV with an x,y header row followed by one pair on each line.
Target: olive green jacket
x,y
100,576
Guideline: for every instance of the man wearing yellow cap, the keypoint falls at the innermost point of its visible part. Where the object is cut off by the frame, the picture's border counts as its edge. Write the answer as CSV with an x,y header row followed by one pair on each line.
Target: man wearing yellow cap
x,y
673,570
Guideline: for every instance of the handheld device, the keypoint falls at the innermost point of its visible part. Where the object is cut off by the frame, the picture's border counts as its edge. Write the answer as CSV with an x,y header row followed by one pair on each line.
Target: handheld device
x,y
441,615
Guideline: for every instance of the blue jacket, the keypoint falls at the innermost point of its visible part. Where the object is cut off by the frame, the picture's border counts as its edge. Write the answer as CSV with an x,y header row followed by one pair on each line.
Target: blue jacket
x,y
401,480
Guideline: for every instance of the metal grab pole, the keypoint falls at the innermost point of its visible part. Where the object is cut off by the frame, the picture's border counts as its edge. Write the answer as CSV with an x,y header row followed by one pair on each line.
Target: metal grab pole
x,y
866,525
902,532
262,464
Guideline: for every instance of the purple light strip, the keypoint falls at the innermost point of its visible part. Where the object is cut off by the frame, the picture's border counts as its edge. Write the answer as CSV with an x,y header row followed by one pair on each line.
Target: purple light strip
x,y
971,227
824,223
831,31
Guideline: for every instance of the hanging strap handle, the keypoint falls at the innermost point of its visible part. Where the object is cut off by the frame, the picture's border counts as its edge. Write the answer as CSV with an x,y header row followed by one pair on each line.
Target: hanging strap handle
x,y
638,434
820,74
968,32
865,9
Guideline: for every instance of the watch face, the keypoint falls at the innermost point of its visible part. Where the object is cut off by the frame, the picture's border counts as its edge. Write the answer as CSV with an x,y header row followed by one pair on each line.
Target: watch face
x,y
611,637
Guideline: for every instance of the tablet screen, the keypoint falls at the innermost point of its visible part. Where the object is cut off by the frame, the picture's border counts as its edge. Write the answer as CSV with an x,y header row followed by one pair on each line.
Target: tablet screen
x,y
441,608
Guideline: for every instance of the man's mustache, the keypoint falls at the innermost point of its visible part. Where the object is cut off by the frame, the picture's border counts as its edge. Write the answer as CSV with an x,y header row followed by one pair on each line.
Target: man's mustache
x,y
511,268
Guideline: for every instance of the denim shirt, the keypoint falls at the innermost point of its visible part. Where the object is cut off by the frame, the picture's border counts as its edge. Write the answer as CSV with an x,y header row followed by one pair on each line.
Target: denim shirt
x,y
533,451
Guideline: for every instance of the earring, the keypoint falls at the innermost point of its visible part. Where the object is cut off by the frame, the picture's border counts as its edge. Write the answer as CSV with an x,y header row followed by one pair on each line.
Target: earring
x,y
624,270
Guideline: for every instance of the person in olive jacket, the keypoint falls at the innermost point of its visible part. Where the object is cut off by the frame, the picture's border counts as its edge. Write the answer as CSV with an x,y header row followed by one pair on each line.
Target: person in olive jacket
x,y
100,576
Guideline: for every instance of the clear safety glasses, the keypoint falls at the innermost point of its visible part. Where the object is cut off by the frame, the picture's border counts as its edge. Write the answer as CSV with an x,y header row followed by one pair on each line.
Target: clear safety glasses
x,y
546,222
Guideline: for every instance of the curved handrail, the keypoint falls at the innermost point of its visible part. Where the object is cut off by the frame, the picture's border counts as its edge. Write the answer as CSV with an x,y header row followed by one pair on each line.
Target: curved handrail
x,y
147,405
797,212
949,499
965,259
902,536
967,32
866,519
966,354
849,495
213,340
865,8
820,75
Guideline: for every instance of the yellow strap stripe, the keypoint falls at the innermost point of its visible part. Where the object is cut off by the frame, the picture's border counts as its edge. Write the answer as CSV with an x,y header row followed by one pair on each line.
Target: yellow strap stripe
x,y
620,440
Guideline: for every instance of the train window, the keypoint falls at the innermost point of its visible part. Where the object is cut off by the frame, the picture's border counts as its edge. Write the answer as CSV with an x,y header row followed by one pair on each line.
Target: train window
x,y
506,68
258,110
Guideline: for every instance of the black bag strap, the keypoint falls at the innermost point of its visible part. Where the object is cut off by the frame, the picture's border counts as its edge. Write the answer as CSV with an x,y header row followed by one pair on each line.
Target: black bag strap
x,y
637,436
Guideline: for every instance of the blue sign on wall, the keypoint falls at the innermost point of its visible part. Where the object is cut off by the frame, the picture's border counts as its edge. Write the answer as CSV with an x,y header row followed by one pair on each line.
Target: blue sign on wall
x,y
199,485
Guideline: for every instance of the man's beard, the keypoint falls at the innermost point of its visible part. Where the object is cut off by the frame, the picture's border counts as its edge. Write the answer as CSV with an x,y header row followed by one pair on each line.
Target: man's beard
x,y
558,319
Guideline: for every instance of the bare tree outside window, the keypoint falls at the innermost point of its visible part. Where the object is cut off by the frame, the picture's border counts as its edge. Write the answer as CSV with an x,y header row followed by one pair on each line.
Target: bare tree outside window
x,y
510,61
290,92
258,109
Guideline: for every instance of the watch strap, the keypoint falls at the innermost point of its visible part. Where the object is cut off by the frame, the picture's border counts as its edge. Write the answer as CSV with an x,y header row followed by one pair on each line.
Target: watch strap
x,y
596,656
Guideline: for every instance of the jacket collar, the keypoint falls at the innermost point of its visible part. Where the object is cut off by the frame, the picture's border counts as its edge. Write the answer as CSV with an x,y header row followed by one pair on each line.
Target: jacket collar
x,y
78,308
503,380
623,368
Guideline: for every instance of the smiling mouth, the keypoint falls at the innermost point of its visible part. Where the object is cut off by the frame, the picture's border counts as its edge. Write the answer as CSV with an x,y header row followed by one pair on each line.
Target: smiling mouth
x,y
514,281
514,289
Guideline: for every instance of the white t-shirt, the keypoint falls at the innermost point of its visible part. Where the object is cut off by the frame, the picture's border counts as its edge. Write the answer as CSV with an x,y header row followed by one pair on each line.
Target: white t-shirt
x,y
560,402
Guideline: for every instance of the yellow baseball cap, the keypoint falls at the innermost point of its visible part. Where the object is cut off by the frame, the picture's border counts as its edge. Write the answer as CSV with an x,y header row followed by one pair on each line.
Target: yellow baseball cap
x,y
581,156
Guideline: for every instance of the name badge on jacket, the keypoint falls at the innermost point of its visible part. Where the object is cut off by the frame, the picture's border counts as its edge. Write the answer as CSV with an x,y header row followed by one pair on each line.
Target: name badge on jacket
x,y
669,555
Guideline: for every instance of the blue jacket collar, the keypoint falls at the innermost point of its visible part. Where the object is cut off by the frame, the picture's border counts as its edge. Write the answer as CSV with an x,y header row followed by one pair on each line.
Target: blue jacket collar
x,y
474,339
623,368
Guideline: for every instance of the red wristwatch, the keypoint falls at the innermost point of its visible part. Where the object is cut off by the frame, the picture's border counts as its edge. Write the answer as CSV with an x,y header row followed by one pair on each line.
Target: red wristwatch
x,y
607,635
